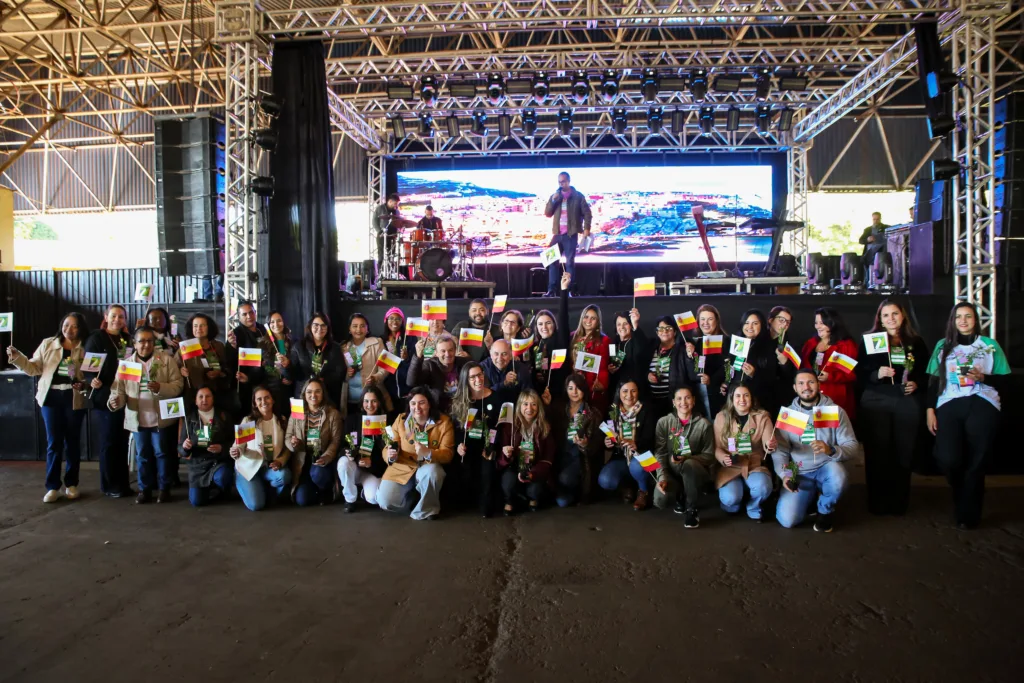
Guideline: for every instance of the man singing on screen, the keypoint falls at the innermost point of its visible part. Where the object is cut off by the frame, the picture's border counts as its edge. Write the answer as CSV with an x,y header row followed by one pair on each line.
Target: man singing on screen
x,y
570,216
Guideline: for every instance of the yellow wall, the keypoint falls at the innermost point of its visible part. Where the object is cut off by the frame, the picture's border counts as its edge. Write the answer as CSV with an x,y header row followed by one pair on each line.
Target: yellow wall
x,y
6,229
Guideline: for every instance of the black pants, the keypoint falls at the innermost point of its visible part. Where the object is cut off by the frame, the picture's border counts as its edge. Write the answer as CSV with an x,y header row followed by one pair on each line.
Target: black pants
x,y
113,451
963,447
888,428
470,481
512,487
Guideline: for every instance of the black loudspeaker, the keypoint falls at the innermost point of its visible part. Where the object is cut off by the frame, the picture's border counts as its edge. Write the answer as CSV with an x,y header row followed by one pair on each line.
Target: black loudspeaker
x,y
851,268
18,418
190,191
930,259
935,79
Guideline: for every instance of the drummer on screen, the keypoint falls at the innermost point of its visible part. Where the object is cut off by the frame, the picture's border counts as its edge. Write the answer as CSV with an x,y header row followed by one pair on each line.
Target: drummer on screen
x,y
431,225
570,216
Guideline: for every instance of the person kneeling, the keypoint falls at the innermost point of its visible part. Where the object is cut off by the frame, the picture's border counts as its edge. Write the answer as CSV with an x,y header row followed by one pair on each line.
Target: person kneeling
x,y
743,432
363,461
204,443
260,468
527,453
313,442
424,442
684,443
810,464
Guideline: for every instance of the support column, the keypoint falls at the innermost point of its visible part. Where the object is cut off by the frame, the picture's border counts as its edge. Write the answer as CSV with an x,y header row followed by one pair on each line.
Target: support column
x,y
796,164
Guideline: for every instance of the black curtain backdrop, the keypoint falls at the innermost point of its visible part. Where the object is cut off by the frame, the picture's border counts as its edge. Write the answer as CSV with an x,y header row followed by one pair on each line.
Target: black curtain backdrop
x,y
302,247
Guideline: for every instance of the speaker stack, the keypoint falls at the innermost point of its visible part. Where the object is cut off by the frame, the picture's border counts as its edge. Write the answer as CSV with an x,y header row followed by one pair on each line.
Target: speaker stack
x,y
1008,144
190,194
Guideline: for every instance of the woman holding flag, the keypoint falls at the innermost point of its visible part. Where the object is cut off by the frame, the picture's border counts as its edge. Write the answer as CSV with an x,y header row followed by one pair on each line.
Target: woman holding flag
x,y
203,360
892,378
628,433
112,342
276,365
743,434
663,355
590,340
583,443
526,454
705,360
758,367
58,364
313,442
361,352
317,355
630,361
260,466
475,411
550,333
833,355
362,462
684,443
204,441
780,319
397,343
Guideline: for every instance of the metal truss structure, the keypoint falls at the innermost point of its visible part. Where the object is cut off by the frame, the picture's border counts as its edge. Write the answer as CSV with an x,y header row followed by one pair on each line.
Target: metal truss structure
x,y
375,193
797,185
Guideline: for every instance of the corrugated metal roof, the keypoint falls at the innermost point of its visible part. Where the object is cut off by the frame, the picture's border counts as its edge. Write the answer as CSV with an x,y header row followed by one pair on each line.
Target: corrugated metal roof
x,y
349,168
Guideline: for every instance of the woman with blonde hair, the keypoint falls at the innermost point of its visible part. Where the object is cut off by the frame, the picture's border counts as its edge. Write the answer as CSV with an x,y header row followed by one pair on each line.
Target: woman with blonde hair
x,y
588,338
527,454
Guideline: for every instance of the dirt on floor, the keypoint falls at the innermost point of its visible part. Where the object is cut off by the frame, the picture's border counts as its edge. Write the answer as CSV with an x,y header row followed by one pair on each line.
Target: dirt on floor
x,y
105,590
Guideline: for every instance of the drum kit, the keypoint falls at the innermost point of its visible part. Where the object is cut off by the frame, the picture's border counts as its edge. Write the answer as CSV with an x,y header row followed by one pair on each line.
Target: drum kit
x,y
414,253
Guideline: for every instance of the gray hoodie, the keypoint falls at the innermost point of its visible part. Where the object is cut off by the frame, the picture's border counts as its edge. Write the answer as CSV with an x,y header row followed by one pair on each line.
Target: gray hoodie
x,y
842,439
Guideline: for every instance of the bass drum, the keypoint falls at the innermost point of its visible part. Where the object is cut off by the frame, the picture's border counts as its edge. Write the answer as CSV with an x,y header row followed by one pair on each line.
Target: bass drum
x,y
435,264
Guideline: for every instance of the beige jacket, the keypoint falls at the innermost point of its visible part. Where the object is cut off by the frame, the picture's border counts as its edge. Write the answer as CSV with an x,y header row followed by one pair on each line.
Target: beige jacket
x,y
368,368
164,371
44,361
441,442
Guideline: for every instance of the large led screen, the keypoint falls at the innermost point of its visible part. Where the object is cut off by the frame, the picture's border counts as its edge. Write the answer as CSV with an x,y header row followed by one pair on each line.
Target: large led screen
x,y
640,214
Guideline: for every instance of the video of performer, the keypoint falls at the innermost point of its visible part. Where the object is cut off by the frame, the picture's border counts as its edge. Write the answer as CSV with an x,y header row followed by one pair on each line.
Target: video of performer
x,y
640,214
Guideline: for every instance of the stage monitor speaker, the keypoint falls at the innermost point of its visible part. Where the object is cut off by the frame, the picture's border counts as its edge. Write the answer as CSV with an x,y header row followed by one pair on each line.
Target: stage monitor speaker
x,y
929,270
834,267
190,193
851,267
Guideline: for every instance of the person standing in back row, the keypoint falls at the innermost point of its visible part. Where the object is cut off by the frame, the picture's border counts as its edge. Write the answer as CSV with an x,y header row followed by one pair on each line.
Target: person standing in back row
x,y
570,215
873,239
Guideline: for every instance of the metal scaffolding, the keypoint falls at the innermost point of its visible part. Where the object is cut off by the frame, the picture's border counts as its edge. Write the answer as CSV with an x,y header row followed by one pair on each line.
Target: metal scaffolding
x,y
797,185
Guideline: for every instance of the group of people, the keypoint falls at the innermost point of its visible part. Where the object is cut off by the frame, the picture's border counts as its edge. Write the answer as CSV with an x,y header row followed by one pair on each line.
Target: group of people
x,y
513,426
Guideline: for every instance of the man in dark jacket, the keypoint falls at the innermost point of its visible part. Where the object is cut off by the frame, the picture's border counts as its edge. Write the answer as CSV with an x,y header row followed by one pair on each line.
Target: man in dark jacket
x,y
440,372
387,223
248,335
873,239
570,215
478,320
500,374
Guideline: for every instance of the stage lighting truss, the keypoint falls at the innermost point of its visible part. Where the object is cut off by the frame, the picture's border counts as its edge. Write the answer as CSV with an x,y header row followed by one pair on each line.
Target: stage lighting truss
x,y
732,119
655,116
785,119
452,124
609,85
504,125
649,84
428,90
397,127
707,120
480,122
763,118
565,121
620,120
495,89
580,87
763,84
541,87
529,123
699,84
426,125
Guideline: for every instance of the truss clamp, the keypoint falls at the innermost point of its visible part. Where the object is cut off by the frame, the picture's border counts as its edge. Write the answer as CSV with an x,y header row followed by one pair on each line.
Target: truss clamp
x,y
237,21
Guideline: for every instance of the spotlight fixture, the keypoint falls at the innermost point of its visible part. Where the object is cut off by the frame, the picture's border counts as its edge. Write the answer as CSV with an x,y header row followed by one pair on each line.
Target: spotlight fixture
x,y
504,125
565,122
727,83
399,91
609,85
518,86
707,120
764,118
732,119
271,104
655,116
945,169
672,83
262,186
649,84
580,87
940,126
793,81
428,90
785,119
619,120
495,89
699,84
762,84
541,87
678,122
529,123
452,123
398,127
480,122
462,89
266,138
426,125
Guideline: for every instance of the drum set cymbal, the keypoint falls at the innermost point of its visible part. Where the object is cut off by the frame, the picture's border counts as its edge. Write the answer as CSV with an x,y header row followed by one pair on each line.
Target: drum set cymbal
x,y
427,255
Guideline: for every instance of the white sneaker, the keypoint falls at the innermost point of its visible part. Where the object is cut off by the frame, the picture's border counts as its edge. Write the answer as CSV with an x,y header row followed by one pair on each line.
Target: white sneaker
x,y
51,496
71,492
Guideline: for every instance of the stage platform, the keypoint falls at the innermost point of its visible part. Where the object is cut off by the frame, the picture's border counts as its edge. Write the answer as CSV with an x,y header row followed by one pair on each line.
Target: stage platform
x,y
424,289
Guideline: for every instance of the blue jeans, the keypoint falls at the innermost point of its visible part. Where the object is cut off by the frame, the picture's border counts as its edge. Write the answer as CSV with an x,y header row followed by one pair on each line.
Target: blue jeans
x,y
827,483
567,489
221,485
731,494
316,484
426,480
63,438
152,461
568,247
254,493
614,471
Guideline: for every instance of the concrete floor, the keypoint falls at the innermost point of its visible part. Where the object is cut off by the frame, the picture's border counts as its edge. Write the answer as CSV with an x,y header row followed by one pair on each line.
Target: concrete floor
x,y
103,590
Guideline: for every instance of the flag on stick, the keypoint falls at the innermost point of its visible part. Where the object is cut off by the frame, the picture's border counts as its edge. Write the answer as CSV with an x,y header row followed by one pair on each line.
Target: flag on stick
x,y
876,342
685,321
792,421
93,362
172,408
521,346
643,286
6,322
550,255
298,409
373,425
609,429
506,413
499,303
389,362
470,418
191,348
245,432
843,361
790,353
417,327
250,358
129,372
435,309
557,358
144,292
712,344
648,461
470,336
826,417
740,346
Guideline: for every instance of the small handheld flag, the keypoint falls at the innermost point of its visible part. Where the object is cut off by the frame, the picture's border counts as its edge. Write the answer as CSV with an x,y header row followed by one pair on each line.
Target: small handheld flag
x,y
740,346
435,309
648,461
876,342
790,353
470,336
245,432
499,303
6,322
712,344
521,346
826,417
470,417
550,255
298,409
609,429
373,425
643,286
172,408
685,321
417,327
792,421
129,372
144,292
389,362
557,358
93,362
506,413
843,361
250,358
190,348
588,362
